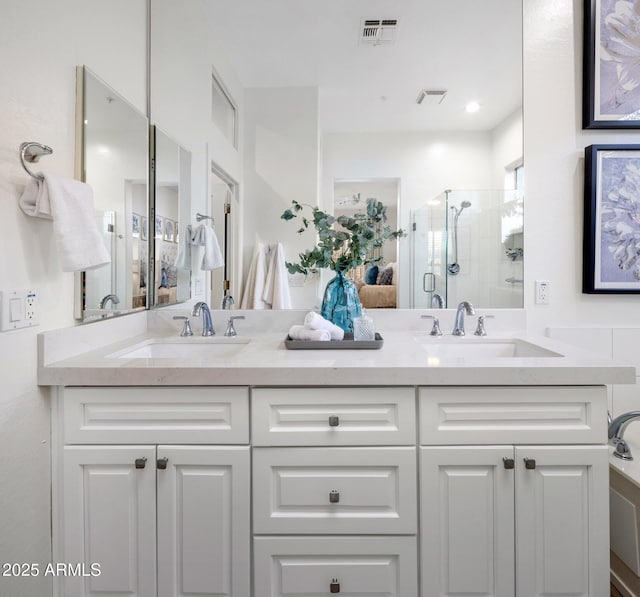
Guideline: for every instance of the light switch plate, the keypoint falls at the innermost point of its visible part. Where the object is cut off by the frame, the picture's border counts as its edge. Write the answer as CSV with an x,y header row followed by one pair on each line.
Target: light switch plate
x,y
18,309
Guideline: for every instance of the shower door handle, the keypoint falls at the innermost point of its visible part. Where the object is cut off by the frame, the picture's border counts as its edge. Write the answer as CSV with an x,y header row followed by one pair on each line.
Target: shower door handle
x,y
432,286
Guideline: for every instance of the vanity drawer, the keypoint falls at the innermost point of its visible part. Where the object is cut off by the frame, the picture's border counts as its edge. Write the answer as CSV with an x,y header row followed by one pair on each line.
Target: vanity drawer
x,y
333,416
334,490
358,566
509,415
159,414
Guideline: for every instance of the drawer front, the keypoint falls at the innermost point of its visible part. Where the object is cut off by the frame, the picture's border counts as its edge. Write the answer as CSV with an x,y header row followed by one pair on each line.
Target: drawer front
x,y
334,490
313,566
333,416
168,415
506,415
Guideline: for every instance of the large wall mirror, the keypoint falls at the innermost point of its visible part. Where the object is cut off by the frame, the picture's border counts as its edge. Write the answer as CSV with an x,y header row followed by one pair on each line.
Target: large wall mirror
x,y
112,151
138,215
425,93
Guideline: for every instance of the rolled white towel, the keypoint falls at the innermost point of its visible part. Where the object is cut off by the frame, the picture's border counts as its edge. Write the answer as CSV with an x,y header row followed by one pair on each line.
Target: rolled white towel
x,y
299,332
315,321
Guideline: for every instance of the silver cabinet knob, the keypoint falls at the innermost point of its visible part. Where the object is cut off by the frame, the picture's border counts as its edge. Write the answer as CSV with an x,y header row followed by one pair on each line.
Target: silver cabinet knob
x,y
334,496
334,421
141,462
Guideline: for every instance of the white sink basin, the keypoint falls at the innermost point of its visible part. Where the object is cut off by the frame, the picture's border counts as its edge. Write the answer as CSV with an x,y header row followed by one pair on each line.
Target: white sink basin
x,y
482,348
183,348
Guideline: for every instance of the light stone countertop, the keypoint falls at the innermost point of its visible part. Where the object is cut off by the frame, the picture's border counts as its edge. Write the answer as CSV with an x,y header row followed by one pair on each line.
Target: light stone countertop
x,y
81,356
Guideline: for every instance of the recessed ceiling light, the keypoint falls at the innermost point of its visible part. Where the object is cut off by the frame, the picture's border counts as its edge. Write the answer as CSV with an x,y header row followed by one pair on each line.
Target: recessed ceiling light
x,y
472,107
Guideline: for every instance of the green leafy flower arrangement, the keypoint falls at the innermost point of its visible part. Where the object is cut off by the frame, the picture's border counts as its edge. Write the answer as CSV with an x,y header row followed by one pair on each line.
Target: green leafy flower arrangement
x,y
344,248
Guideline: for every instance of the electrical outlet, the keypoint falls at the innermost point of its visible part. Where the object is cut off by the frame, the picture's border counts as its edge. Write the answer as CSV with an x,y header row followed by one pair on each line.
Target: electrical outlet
x,y
542,292
18,309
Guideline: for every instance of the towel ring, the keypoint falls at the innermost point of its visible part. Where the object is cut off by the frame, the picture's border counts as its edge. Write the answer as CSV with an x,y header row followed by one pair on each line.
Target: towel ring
x,y
31,151
200,217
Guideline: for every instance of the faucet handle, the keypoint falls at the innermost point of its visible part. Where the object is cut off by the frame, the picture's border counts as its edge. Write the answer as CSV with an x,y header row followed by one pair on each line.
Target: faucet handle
x,y
480,329
186,328
435,330
231,329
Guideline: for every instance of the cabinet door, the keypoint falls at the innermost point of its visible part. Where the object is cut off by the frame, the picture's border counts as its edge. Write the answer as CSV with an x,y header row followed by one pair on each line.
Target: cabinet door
x,y
203,521
109,519
562,524
467,521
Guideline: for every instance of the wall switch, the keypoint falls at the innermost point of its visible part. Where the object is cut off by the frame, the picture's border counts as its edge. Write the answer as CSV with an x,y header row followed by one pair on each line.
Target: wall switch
x,y
18,309
542,292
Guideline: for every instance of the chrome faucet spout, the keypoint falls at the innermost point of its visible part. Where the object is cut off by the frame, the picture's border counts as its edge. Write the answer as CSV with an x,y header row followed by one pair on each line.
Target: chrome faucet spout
x,y
207,324
109,298
463,307
616,431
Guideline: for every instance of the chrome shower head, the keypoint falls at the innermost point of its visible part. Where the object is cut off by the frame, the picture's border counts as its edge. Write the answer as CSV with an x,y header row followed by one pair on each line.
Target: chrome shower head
x,y
465,204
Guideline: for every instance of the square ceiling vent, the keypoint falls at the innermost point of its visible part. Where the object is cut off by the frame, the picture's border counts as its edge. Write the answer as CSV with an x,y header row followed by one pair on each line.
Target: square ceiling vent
x,y
378,31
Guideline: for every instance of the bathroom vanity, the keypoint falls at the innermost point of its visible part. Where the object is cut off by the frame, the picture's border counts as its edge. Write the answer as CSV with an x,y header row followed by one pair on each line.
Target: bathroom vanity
x,y
264,472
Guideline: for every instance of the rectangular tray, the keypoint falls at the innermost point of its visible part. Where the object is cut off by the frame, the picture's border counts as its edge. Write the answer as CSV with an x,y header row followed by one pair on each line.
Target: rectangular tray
x,y
347,344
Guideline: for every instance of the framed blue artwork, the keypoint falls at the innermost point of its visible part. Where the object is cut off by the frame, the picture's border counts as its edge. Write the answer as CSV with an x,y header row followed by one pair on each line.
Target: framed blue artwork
x,y
611,65
611,241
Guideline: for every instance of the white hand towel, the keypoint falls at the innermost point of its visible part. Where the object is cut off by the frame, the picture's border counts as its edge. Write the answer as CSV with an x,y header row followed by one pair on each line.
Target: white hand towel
x,y
69,203
205,236
276,287
299,332
183,260
254,286
315,321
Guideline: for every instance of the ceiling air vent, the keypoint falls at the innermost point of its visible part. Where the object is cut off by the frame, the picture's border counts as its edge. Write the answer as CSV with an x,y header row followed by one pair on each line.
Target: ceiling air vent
x,y
378,31
431,96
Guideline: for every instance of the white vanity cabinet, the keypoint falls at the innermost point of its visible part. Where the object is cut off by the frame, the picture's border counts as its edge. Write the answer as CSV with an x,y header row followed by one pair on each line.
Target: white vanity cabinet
x,y
502,518
335,492
160,520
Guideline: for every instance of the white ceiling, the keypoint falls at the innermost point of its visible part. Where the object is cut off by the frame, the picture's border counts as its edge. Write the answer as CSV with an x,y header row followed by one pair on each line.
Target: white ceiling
x,y
472,48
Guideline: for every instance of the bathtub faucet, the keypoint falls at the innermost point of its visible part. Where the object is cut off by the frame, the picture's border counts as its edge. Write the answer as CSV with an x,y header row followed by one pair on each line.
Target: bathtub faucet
x,y
617,428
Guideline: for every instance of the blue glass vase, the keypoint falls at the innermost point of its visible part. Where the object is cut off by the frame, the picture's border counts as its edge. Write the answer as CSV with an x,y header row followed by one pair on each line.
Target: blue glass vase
x,y
341,303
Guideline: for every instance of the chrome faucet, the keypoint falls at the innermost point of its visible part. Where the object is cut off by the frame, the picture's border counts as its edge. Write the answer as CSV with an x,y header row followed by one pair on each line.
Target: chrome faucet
x,y
480,329
109,298
435,329
616,432
227,301
437,302
207,324
463,307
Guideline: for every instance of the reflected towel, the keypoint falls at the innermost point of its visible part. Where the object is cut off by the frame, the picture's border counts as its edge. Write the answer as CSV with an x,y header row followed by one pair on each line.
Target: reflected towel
x,y
183,261
69,203
254,286
299,332
276,287
205,236
315,321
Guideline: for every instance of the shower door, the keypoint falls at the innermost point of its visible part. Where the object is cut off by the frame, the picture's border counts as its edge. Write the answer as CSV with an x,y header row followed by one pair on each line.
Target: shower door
x,y
429,250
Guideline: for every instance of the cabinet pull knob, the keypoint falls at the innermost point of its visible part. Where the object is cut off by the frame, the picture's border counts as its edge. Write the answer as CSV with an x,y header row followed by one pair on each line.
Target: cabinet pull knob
x,y
529,463
334,587
161,463
334,496
509,463
141,462
334,421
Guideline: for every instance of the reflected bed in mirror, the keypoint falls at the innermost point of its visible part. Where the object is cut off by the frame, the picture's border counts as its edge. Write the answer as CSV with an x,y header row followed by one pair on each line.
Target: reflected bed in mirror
x,y
112,152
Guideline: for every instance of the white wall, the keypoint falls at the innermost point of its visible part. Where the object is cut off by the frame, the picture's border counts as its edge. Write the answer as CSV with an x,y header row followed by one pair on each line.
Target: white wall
x,y
506,147
41,43
281,164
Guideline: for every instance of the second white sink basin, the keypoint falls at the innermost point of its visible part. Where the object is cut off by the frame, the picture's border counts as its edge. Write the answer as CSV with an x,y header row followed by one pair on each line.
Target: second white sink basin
x,y
482,348
183,348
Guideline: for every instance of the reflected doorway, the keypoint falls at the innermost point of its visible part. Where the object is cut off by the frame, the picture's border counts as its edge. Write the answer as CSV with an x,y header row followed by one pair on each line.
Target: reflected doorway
x,y
350,197
224,209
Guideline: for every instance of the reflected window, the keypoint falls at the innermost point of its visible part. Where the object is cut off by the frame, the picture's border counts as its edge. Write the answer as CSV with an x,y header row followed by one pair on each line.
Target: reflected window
x,y
223,111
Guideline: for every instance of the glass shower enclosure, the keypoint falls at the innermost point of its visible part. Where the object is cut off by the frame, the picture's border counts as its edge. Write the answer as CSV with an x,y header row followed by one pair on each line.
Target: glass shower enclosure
x,y
468,245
